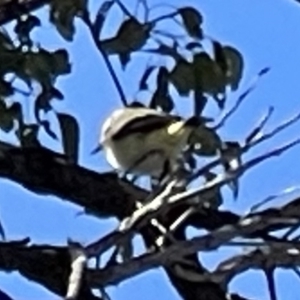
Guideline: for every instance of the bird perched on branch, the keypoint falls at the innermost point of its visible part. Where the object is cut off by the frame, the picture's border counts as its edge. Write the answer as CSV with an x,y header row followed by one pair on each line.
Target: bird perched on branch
x,y
144,141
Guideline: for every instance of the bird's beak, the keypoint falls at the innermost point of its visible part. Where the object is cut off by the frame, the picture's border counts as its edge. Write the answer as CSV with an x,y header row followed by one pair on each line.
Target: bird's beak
x,y
96,150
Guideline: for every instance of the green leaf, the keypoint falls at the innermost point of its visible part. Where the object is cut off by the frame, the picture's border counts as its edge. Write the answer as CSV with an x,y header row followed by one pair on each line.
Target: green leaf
x,y
6,118
192,20
45,66
70,136
235,65
62,14
131,36
61,64
165,102
209,76
220,57
182,77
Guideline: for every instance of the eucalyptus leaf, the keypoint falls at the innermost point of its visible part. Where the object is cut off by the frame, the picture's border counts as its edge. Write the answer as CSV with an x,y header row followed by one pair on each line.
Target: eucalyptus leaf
x,y
62,14
131,36
208,75
235,65
182,77
192,20
70,136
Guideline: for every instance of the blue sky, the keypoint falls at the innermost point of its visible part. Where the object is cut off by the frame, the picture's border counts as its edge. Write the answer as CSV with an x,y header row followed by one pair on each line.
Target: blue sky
x,y
266,33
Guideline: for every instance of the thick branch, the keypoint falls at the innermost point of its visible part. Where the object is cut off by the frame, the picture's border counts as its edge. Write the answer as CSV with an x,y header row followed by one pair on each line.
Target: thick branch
x,y
48,173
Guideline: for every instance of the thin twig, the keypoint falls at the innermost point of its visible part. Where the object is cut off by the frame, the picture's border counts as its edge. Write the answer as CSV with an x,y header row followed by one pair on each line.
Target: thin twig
x,y
241,98
111,71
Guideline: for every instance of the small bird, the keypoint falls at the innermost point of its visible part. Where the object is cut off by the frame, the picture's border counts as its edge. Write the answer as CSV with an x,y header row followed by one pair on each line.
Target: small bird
x,y
143,141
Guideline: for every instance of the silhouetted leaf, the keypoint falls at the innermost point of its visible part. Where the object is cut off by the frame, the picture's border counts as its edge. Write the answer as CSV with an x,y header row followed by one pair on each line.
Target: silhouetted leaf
x,y
192,20
124,59
182,77
61,62
220,57
45,66
24,27
206,141
6,118
199,102
70,136
209,76
62,14
164,102
143,82
101,15
235,65
161,97
131,36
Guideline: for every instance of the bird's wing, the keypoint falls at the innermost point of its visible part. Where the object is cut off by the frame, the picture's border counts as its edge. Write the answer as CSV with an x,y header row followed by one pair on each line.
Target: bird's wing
x,y
144,124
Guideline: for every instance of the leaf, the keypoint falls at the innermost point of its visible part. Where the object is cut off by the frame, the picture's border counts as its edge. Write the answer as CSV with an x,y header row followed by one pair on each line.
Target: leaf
x,y
101,15
182,77
62,14
124,59
61,64
24,27
6,118
220,57
45,66
161,97
192,20
165,102
235,66
131,36
143,82
209,76
206,141
199,102
70,136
